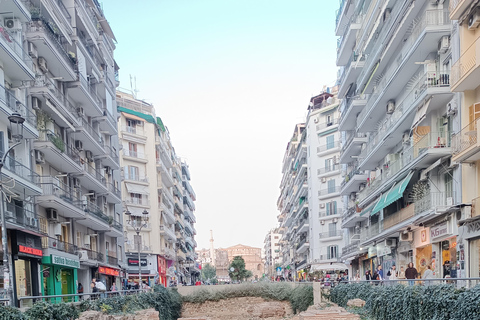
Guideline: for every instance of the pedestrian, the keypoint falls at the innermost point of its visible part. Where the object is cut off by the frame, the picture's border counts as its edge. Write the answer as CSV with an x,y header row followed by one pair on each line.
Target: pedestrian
x,y
93,286
380,273
392,274
428,274
411,273
368,275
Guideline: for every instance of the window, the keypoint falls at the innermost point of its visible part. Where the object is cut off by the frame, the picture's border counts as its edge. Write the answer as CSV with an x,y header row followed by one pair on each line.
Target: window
x,y
136,198
332,252
131,125
332,229
132,149
331,208
331,186
328,165
131,173
448,184
79,239
329,120
330,142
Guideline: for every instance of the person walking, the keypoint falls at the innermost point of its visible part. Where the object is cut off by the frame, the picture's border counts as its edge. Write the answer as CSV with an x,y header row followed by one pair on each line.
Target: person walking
x,y
411,273
428,274
392,274
368,275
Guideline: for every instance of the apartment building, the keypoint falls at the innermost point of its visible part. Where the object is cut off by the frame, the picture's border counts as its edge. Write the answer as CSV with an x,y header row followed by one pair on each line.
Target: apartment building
x,y
63,205
147,189
271,251
465,83
400,185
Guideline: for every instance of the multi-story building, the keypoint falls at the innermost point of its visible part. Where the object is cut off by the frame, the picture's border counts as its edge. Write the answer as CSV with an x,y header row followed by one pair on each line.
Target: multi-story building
x,y
65,214
272,253
309,203
251,255
399,185
147,189
465,82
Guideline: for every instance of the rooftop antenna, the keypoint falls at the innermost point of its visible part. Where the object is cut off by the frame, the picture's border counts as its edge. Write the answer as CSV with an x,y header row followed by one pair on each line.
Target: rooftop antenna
x,y
133,87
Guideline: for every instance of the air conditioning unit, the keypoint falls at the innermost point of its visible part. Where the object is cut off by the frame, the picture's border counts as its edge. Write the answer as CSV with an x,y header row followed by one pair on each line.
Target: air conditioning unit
x,y
79,145
36,103
76,183
108,170
52,214
322,222
89,155
80,112
42,64
32,51
444,44
449,201
390,106
315,120
406,236
322,205
334,220
451,109
390,242
13,24
406,138
83,254
57,229
474,19
323,180
39,157
390,158
92,194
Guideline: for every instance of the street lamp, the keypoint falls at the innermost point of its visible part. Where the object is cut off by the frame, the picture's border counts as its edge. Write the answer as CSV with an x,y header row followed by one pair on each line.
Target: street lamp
x,y
138,228
16,130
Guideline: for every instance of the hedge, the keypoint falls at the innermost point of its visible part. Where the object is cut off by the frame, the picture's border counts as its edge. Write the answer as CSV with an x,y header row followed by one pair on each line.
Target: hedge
x,y
398,302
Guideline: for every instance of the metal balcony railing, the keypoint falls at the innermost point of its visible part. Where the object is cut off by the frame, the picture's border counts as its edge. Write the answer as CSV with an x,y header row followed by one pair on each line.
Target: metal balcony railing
x,y
117,225
54,243
329,146
134,154
8,39
324,192
351,248
95,173
48,135
93,133
24,216
52,186
331,168
16,105
95,210
43,81
138,201
466,138
432,200
330,234
113,189
112,153
112,261
301,243
139,178
134,130
324,125
90,89
94,255
21,170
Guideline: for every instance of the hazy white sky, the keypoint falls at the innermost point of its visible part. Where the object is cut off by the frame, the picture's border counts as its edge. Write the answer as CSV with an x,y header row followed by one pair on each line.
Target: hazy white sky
x,y
230,79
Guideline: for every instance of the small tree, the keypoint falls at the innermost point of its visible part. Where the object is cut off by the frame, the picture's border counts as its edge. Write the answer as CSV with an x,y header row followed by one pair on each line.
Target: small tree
x,y
209,273
239,272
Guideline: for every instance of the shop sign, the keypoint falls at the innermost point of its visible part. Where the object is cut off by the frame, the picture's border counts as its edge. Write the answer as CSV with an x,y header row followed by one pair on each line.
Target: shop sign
x,y
372,251
134,262
473,229
109,271
383,250
28,250
439,231
162,265
62,261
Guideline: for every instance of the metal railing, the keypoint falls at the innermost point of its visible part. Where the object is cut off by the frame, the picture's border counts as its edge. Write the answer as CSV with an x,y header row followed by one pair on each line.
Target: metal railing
x,y
52,186
433,201
24,216
327,191
328,169
54,243
339,12
95,210
466,138
466,63
302,242
347,214
134,177
456,282
111,152
350,176
93,133
399,216
90,89
371,231
134,130
112,260
95,173
351,248
64,10
138,201
331,234
17,106
21,170
117,225
329,146
351,137
324,125
134,154
10,41
113,189
48,135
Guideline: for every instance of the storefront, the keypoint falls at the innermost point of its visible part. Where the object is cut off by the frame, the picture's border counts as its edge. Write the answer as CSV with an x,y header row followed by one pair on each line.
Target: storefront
x,y
468,252
109,276
27,254
162,270
148,268
60,275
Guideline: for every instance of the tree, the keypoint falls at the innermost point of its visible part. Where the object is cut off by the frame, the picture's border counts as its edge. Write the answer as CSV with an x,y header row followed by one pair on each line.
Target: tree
x,y
209,272
239,272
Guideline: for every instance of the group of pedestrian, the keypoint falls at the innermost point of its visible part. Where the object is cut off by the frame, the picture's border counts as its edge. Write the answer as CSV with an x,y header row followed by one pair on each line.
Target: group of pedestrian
x,y
410,274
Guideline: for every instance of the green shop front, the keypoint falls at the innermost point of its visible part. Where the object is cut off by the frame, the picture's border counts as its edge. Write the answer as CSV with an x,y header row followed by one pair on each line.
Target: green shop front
x,y
59,275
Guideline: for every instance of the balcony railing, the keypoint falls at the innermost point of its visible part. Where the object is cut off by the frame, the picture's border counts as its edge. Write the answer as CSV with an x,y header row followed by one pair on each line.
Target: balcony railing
x,y
43,81
112,153
431,140
113,189
24,215
112,261
351,248
134,130
21,170
399,216
371,231
95,173
324,125
331,234
94,133
350,212
333,145
134,154
475,211
48,135
16,105
10,41
301,243
91,90
339,11
54,243
466,138
92,208
327,191
52,186
138,201
331,168
94,255
433,200
351,137
467,61
117,225
134,177
350,176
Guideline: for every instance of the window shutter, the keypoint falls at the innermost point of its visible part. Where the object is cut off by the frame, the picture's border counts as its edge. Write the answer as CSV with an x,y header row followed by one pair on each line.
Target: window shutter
x,y
328,252
125,172
328,209
334,207
2,143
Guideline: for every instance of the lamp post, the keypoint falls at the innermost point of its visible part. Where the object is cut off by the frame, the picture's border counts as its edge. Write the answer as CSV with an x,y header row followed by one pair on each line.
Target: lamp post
x,y
138,228
16,129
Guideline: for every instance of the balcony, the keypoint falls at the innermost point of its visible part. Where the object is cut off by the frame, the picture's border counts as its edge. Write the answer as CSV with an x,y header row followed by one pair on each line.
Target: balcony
x,y
61,197
98,219
466,71
113,261
328,148
303,226
25,180
399,216
135,155
303,246
343,15
23,218
88,18
90,52
168,253
90,137
457,8
140,202
90,257
114,195
349,74
465,143
353,146
353,180
16,62
331,235
329,171
63,157
83,91
371,231
351,248
134,178
353,106
166,177
345,44
49,46
92,178
436,202
116,228
168,233
329,193
109,157
50,245
327,126
425,152
9,104
54,102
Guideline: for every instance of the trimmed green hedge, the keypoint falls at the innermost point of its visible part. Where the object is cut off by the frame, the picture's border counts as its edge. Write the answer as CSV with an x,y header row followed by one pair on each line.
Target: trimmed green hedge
x,y
436,302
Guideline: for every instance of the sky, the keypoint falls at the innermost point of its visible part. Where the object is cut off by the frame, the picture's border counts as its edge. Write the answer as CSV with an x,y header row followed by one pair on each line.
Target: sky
x,y
230,79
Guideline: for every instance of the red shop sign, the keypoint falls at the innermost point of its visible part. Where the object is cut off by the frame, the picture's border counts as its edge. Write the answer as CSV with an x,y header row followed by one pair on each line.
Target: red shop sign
x,y
109,271
28,250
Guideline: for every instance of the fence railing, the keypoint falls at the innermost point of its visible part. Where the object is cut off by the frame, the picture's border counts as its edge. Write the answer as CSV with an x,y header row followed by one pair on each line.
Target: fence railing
x,y
330,234
54,243
134,154
17,106
324,125
327,191
466,138
10,41
433,200
21,170
332,145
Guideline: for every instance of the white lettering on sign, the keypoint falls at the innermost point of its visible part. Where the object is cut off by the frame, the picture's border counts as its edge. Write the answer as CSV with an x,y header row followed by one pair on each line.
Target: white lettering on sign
x,y
439,231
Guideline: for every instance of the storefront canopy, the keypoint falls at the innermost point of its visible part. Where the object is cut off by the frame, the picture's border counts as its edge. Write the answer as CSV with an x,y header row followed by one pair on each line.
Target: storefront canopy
x,y
328,266
395,193
367,211
135,188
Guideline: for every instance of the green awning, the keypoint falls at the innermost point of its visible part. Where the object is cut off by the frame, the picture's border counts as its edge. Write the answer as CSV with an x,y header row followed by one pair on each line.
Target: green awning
x,y
160,124
368,209
395,193
147,117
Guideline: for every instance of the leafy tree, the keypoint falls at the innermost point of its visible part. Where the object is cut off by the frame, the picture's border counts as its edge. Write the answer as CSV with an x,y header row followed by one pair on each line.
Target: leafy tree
x,y
209,272
239,272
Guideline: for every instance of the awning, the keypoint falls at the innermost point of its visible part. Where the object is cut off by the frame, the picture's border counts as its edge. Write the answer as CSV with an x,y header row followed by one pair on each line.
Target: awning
x,y
395,193
131,116
134,188
137,212
368,210
421,113
328,266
